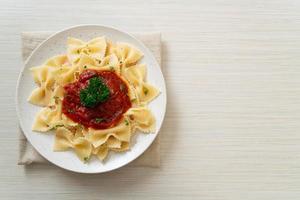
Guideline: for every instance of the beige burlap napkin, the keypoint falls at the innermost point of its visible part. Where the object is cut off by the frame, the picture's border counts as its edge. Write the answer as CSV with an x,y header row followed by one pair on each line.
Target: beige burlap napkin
x,y
28,155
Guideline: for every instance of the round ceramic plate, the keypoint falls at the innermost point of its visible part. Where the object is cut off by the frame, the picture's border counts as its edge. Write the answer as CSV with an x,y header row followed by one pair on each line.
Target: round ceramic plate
x,y
43,143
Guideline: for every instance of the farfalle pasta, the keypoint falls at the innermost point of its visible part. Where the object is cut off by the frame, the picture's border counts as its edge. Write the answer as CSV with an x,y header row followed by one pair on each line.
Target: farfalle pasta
x,y
94,97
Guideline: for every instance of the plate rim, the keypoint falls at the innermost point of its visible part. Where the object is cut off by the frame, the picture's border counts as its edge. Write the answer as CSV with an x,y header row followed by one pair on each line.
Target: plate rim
x,y
21,72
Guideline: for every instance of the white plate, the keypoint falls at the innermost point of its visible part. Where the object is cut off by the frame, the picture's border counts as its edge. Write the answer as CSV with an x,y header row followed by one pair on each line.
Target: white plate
x,y
56,44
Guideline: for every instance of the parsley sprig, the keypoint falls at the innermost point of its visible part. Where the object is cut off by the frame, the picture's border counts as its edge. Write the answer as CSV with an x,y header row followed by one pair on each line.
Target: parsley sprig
x,y
96,92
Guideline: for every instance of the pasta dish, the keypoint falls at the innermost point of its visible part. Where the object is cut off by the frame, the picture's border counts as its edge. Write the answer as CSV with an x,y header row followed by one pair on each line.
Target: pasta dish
x,y
93,98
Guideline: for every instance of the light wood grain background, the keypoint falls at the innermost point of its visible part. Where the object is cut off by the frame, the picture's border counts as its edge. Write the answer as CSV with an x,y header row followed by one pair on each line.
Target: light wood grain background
x,y
232,129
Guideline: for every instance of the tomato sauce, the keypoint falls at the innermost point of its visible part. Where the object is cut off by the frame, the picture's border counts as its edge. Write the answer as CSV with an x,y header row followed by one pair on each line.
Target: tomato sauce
x,y
103,115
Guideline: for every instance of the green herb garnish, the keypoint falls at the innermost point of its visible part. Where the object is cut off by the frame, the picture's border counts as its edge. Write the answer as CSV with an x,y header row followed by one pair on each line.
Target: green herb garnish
x,y
112,68
84,66
145,90
85,159
126,122
96,92
56,126
98,120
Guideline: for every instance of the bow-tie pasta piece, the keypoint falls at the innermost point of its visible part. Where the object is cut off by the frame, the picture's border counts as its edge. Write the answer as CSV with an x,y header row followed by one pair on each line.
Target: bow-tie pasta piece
x,y
135,74
110,63
45,78
146,93
101,152
48,118
54,117
83,148
121,132
40,123
58,61
64,139
41,96
127,54
94,48
60,73
40,73
57,95
70,74
142,119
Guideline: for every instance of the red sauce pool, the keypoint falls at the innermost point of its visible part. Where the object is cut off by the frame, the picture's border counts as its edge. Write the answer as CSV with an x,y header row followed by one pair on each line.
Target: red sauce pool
x,y
110,112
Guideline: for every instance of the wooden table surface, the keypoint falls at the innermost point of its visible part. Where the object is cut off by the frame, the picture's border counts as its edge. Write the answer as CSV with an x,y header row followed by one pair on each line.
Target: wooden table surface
x,y
232,128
